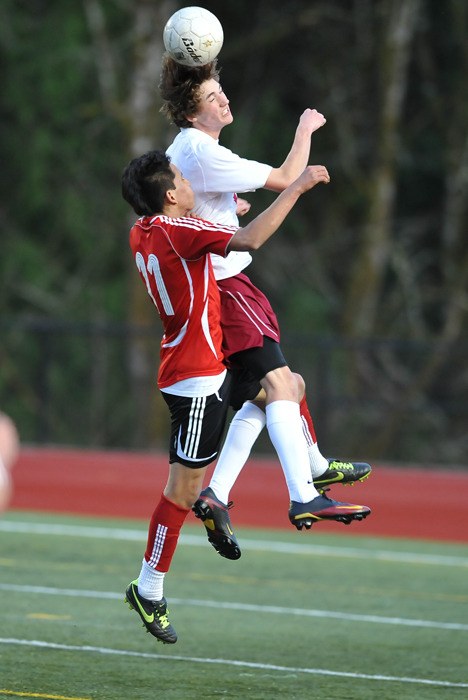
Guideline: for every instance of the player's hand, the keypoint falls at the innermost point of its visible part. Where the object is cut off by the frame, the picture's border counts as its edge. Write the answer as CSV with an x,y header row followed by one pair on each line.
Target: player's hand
x,y
312,120
313,175
243,206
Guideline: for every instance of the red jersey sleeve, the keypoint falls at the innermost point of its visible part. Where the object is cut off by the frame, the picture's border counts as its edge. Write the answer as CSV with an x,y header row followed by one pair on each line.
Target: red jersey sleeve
x,y
192,238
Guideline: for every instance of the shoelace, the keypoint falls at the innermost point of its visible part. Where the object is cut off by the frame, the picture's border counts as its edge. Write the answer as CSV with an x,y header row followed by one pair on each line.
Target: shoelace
x,y
341,465
163,619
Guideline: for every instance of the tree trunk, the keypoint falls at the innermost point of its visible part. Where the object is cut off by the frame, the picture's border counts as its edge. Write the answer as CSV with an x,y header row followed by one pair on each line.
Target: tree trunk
x,y
147,130
365,285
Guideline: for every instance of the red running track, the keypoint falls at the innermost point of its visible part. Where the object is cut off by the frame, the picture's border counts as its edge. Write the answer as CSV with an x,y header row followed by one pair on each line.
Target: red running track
x,y
405,502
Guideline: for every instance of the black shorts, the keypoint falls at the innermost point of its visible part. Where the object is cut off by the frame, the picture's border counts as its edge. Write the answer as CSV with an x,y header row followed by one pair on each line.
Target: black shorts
x,y
197,423
259,361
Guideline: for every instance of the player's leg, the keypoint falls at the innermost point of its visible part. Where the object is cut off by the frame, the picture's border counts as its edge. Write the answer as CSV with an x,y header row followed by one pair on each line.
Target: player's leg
x,y
285,429
243,431
212,507
284,425
196,432
145,594
246,319
325,471
318,463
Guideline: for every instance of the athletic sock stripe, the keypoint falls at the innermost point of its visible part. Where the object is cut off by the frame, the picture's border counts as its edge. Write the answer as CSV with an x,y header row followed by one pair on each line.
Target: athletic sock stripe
x,y
158,545
306,431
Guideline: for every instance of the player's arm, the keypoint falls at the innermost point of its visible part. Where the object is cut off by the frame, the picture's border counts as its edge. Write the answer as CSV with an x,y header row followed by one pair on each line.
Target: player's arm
x,y
254,235
298,156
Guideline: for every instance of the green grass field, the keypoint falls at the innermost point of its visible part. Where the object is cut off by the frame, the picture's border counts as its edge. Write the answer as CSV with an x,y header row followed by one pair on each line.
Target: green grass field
x,y
300,615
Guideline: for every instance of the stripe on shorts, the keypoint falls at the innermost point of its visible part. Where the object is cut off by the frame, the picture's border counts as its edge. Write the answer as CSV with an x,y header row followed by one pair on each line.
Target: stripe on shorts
x,y
251,315
195,425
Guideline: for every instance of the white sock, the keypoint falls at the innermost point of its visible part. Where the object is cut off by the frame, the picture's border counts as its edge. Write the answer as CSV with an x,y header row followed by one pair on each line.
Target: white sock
x,y
318,463
150,582
244,429
284,426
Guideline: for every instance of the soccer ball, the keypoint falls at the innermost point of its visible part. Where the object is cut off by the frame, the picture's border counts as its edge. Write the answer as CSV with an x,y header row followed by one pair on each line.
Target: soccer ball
x,y
193,36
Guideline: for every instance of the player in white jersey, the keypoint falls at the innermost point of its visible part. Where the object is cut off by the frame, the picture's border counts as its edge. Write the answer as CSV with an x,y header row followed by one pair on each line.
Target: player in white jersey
x,y
172,254
194,100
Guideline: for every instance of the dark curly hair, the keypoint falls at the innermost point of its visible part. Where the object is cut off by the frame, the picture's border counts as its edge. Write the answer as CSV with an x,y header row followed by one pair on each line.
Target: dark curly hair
x,y
145,182
180,89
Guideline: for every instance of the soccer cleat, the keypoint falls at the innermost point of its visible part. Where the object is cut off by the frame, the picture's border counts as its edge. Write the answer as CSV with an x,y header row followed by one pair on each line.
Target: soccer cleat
x,y
215,517
153,613
324,508
342,473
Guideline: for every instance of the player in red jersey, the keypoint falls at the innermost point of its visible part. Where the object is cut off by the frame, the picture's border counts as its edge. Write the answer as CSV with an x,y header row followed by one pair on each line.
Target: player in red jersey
x,y
172,254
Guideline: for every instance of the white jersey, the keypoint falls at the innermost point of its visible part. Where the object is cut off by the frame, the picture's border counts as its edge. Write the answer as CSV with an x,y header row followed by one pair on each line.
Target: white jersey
x,y
217,175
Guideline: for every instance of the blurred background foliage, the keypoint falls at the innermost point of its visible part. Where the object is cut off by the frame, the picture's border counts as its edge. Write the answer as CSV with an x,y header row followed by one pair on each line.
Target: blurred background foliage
x,y
369,276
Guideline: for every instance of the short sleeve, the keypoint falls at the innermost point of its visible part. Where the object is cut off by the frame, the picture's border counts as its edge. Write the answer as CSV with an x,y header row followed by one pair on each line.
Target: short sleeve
x,y
224,171
192,238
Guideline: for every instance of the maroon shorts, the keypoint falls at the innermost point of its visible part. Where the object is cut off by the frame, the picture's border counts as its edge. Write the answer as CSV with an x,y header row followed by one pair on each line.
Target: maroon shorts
x,y
246,315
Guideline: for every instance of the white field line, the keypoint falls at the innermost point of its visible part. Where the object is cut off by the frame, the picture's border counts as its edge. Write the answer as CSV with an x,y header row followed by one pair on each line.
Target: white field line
x,y
230,662
242,607
246,544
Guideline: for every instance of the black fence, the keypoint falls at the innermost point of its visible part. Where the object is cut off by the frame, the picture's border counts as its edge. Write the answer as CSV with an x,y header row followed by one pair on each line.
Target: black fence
x,y
94,385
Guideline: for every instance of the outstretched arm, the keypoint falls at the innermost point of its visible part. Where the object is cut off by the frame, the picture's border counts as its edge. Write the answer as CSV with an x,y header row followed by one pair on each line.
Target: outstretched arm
x,y
254,235
298,156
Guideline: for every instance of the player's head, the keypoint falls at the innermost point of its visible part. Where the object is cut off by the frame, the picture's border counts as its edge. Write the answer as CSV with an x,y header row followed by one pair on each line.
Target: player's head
x,y
145,182
180,89
151,184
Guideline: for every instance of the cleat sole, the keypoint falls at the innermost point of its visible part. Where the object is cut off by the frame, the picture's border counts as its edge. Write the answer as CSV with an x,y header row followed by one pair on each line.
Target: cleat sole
x,y
225,547
351,483
345,519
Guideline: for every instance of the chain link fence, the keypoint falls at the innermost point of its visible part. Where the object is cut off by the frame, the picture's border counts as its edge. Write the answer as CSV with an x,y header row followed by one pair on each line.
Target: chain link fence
x,y
94,385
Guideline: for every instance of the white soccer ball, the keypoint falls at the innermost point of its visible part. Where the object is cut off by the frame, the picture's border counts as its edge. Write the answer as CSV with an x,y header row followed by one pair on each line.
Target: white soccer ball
x,y
193,36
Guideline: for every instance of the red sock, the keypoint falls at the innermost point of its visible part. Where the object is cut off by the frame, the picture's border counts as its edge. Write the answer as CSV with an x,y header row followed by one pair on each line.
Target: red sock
x,y
163,533
307,423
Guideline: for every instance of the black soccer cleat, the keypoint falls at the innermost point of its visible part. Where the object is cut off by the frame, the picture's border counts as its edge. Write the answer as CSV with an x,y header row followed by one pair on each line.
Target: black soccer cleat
x,y
342,473
215,517
153,614
324,508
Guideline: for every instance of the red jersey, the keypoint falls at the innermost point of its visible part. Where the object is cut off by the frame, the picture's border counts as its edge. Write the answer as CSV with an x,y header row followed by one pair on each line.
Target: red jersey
x,y
172,257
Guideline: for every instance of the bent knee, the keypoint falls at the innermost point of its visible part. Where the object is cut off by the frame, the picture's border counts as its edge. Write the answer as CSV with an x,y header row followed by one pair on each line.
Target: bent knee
x,y
280,384
301,386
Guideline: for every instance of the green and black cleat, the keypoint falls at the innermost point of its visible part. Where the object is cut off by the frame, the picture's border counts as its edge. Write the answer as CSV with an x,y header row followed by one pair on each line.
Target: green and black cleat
x,y
342,473
153,614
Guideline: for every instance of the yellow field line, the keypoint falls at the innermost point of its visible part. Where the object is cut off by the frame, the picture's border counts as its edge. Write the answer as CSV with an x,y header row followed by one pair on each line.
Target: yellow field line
x,y
18,694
